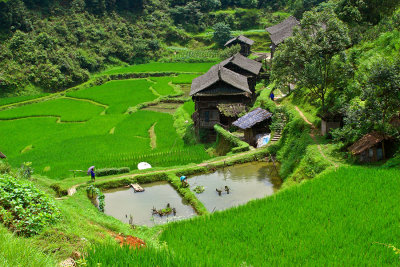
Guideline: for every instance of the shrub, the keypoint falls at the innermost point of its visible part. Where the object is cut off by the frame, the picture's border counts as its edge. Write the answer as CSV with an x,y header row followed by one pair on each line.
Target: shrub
x,y
24,209
5,167
222,33
94,192
112,171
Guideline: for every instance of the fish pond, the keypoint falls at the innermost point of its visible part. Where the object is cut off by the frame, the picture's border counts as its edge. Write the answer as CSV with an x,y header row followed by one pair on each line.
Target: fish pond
x,y
124,203
245,182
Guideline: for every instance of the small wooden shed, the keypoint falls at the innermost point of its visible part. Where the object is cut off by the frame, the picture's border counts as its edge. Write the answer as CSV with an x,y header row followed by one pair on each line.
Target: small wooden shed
x,y
278,33
369,148
2,156
244,66
253,123
330,121
244,42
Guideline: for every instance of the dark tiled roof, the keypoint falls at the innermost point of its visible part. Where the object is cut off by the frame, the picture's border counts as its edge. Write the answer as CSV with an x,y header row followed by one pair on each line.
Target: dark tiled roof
x,y
243,63
366,142
240,38
2,156
218,73
252,118
283,30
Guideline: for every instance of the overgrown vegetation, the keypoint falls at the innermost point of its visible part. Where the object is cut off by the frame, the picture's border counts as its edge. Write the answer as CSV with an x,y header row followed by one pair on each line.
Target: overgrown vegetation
x,y
24,209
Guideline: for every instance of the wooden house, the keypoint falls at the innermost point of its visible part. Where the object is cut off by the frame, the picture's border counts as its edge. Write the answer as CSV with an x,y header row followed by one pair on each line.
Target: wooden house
x,y
2,156
254,123
330,121
244,42
244,66
370,148
220,96
278,33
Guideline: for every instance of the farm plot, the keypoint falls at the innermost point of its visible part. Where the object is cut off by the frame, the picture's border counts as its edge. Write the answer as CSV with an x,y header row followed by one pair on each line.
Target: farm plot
x,y
118,95
184,78
17,99
162,67
67,109
99,131
163,85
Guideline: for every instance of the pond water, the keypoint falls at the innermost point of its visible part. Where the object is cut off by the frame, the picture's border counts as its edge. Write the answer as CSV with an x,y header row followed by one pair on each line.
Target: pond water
x,y
122,203
246,182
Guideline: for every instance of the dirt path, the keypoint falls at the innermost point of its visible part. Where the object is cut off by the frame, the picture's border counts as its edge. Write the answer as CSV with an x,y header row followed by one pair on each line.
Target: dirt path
x,y
72,190
312,134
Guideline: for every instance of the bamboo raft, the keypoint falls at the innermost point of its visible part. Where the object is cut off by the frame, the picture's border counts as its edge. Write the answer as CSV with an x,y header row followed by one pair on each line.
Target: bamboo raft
x,y
137,188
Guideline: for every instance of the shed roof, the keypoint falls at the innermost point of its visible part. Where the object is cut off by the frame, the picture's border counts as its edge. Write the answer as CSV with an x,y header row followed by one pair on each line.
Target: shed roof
x,y
231,109
2,156
366,142
252,118
218,73
278,33
243,63
240,39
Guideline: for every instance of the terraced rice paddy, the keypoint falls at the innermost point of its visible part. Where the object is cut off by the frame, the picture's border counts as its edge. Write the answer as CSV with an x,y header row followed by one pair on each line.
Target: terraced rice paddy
x,y
17,99
162,67
91,127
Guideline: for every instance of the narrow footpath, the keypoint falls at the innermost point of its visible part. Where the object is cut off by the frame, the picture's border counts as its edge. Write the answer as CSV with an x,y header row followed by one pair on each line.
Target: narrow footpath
x,y
312,135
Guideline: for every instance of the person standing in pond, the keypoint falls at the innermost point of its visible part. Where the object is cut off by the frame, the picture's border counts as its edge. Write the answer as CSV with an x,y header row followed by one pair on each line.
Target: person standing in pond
x,y
272,96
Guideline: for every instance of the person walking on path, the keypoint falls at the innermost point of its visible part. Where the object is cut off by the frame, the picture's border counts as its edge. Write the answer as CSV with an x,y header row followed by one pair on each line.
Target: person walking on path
x,y
92,173
272,96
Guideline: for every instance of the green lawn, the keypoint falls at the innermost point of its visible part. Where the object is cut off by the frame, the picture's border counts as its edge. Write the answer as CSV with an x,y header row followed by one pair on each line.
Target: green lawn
x,y
118,95
67,109
161,67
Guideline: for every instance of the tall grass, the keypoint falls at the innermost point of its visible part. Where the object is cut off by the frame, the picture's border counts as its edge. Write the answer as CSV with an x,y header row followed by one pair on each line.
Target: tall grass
x,y
19,252
113,255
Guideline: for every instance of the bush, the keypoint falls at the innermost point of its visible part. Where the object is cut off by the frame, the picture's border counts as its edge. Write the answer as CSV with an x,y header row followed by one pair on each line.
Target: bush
x,y
24,209
5,167
112,171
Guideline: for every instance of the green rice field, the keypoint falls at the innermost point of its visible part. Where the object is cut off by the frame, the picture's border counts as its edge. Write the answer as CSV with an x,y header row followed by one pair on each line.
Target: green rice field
x,y
338,219
91,127
345,218
161,67
17,99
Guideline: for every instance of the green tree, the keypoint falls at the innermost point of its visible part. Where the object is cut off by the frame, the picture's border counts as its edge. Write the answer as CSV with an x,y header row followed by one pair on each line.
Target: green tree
x,y
382,92
370,11
307,58
222,33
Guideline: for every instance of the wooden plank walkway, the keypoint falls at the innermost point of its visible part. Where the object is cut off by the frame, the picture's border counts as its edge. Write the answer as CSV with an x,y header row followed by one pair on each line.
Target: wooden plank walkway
x,y
137,188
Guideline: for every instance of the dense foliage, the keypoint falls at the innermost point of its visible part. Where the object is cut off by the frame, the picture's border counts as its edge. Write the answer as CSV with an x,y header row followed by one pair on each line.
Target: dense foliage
x,y
24,209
